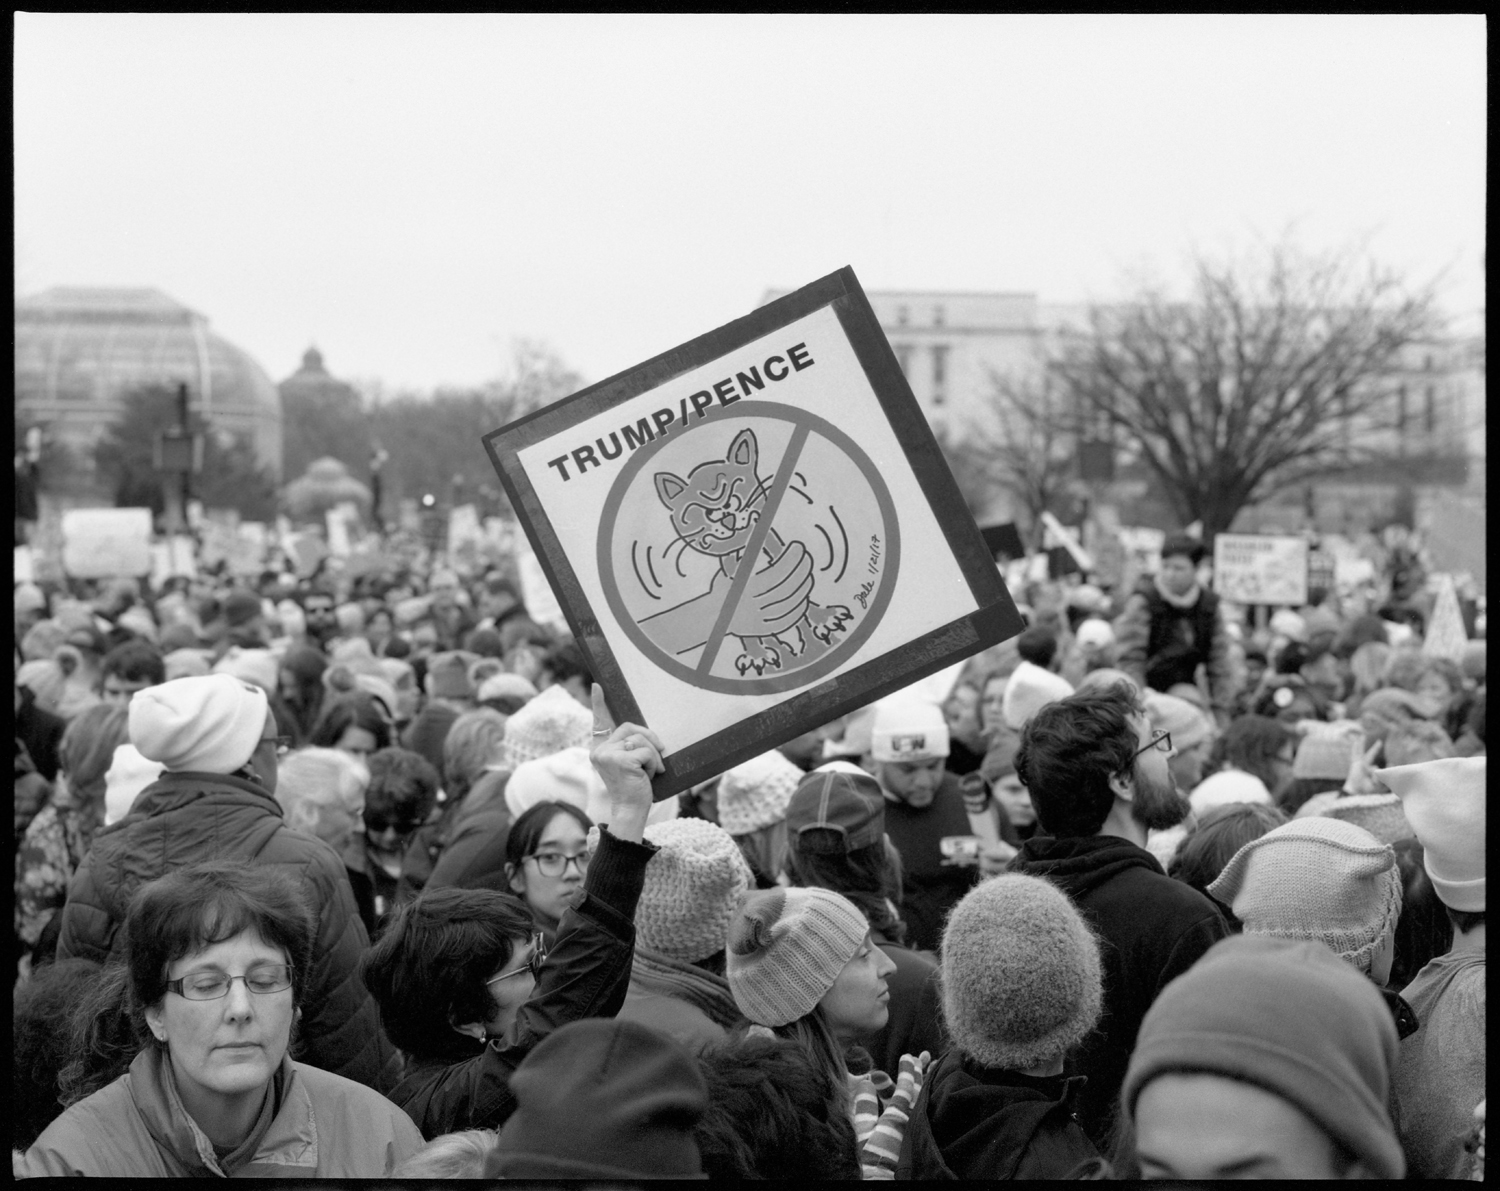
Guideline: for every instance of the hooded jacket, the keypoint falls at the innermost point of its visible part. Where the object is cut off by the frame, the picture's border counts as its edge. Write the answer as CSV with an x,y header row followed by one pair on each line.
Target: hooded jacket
x,y
977,1122
322,1126
182,818
1151,929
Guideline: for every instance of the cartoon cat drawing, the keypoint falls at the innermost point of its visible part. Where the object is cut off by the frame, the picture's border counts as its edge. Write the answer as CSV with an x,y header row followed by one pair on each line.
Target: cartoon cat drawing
x,y
715,511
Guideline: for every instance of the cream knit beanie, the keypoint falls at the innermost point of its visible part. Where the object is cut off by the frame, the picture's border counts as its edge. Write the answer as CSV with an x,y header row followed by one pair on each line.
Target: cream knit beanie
x,y
551,722
693,886
1029,690
786,948
211,724
1316,878
1021,976
1445,804
755,794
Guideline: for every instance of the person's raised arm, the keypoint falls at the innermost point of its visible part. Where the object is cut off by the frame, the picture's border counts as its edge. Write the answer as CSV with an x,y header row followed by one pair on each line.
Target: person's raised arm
x,y
625,757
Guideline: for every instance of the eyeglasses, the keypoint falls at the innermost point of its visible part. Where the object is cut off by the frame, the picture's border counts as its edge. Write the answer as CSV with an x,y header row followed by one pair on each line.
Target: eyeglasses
x,y
284,744
533,965
212,986
554,864
1161,741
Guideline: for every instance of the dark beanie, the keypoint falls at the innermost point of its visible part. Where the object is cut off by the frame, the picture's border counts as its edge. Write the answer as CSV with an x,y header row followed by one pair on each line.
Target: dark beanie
x,y
603,1099
241,607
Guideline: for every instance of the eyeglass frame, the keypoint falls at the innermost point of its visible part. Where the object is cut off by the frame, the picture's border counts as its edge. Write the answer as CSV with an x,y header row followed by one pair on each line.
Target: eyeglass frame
x,y
581,860
178,986
533,965
1161,740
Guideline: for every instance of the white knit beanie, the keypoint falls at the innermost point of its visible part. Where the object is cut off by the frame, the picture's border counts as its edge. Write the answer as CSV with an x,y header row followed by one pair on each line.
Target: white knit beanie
x,y
1444,801
1021,976
249,665
908,728
693,886
1226,786
208,725
565,776
755,794
1029,690
786,947
551,722
1316,878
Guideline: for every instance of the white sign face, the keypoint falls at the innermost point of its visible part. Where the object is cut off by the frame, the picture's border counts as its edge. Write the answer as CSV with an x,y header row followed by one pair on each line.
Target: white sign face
x,y
106,543
23,571
656,501
1261,569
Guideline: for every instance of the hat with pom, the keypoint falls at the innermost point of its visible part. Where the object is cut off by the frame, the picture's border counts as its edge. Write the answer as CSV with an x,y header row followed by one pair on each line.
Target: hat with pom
x,y
1029,690
786,947
549,723
209,725
755,793
693,886
1444,801
1316,878
1021,975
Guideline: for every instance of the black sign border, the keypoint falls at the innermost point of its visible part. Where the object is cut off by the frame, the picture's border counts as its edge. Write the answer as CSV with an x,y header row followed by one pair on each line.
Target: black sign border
x,y
996,618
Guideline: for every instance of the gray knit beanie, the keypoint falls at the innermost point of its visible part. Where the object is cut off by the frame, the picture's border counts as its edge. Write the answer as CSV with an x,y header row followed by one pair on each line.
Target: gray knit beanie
x,y
786,948
1021,974
1316,878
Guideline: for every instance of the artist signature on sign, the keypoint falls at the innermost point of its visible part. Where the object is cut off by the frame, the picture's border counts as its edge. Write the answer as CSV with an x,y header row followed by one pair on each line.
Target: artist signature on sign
x,y
862,596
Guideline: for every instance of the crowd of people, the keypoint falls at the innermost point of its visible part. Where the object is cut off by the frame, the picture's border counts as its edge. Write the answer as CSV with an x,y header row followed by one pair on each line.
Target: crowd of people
x,y
359,878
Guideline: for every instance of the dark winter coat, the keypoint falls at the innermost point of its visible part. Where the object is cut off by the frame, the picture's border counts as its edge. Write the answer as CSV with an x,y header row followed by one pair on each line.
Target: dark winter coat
x,y
977,1122
1151,929
41,732
586,975
182,818
929,887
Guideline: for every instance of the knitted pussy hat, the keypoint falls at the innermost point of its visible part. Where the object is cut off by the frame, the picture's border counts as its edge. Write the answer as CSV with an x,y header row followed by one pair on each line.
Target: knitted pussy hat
x,y
1445,804
1021,975
210,725
786,948
1379,814
1291,1019
755,794
551,722
1316,878
693,888
1326,750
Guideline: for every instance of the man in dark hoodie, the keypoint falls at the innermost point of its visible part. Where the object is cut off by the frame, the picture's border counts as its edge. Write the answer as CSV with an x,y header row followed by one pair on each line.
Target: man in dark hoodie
x,y
1098,778
1021,985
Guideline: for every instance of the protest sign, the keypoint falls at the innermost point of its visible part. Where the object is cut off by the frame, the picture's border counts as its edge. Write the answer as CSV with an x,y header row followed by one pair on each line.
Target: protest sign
x,y
1261,569
171,558
105,543
755,532
24,571
1446,636
536,591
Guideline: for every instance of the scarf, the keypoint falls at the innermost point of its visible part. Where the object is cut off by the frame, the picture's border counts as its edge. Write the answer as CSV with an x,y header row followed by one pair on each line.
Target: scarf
x,y
1184,601
685,982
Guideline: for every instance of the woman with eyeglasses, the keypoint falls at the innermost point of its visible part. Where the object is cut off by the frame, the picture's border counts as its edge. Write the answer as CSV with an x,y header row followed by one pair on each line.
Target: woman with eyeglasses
x,y
468,984
216,964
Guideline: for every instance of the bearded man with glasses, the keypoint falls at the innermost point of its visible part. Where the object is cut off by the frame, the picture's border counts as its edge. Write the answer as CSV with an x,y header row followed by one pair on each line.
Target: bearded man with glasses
x,y
1099,781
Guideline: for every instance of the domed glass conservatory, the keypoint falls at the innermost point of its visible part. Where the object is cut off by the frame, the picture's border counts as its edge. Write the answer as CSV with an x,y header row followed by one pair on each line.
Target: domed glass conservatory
x,y
78,351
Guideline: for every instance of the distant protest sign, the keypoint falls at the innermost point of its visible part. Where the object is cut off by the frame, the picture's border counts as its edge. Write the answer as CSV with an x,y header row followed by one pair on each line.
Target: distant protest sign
x,y
23,571
106,543
755,532
1261,569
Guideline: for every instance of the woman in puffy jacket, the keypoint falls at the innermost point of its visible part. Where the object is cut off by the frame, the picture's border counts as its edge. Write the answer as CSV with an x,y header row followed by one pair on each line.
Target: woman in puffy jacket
x,y
216,962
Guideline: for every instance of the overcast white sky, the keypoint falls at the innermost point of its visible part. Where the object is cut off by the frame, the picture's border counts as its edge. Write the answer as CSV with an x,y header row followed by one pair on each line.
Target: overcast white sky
x,y
412,193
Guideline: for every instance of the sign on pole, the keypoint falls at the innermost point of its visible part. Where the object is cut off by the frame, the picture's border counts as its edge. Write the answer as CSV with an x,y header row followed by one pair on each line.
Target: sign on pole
x,y
755,532
1260,569
106,543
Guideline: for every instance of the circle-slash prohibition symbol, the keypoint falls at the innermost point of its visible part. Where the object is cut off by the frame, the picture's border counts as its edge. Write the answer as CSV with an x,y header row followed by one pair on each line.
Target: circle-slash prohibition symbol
x,y
752,553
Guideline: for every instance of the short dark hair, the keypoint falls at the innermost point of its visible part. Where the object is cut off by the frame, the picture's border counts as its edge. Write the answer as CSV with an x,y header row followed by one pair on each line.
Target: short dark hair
x,y
1037,646
565,661
866,876
403,784
1252,743
135,661
1465,920
1221,833
43,1008
207,903
1424,928
527,831
1069,751
1184,545
428,967
355,709
768,1115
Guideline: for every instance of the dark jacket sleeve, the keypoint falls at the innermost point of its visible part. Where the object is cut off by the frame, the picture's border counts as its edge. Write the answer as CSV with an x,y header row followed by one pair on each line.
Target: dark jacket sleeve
x,y
1189,946
340,1025
587,974
1132,635
87,930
